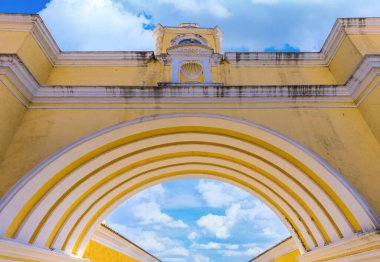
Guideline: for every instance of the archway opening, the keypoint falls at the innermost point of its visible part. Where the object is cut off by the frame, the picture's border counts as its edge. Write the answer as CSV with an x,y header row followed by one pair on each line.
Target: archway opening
x,y
198,220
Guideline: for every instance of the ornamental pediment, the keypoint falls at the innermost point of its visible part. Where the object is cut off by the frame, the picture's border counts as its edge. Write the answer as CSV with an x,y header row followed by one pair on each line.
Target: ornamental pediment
x,y
190,50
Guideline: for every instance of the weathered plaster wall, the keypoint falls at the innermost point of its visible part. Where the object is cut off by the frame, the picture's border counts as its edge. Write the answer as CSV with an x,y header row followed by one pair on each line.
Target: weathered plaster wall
x,y
370,109
11,114
339,135
345,61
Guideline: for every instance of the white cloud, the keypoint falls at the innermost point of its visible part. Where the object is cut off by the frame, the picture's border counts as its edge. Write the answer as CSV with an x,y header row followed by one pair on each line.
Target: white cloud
x,y
215,246
258,216
175,251
152,241
85,25
218,194
200,258
210,245
308,2
265,2
250,252
231,246
157,231
150,213
192,236
220,226
213,7
147,239
175,259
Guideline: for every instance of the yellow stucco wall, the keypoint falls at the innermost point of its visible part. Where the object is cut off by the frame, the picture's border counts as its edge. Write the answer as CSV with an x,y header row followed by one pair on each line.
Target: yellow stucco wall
x,y
366,44
347,57
349,54
99,253
341,136
370,108
11,114
345,61
34,58
10,42
277,75
290,257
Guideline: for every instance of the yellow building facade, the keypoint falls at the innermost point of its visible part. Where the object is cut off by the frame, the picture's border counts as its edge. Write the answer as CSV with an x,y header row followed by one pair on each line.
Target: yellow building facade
x,y
83,131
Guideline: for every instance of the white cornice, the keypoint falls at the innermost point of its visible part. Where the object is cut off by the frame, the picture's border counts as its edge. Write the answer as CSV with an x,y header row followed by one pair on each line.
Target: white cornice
x,y
16,251
364,79
43,37
103,59
359,248
107,237
244,59
35,25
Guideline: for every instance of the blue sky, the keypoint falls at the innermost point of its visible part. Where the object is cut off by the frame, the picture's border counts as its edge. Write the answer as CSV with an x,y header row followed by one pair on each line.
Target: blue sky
x,y
248,25
198,220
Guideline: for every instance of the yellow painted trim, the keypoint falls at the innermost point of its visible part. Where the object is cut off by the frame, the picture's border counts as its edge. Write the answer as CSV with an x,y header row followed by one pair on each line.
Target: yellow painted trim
x,y
174,174
12,229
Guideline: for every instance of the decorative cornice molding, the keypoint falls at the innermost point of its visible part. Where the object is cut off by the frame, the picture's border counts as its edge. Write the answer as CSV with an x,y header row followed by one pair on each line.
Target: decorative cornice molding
x,y
365,78
46,41
244,59
22,252
358,248
102,59
35,25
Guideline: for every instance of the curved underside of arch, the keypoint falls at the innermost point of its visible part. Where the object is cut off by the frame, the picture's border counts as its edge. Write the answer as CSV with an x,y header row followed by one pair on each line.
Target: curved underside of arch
x,y
60,203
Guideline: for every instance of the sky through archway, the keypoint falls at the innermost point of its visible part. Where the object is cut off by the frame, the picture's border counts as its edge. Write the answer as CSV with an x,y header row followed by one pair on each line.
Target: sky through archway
x,y
198,220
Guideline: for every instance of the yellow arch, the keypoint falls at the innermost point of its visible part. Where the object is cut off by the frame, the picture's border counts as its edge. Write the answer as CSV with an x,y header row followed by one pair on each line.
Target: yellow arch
x,y
259,156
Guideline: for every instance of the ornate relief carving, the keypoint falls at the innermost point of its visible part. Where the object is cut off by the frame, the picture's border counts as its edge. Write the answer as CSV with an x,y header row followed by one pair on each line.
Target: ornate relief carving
x,y
181,37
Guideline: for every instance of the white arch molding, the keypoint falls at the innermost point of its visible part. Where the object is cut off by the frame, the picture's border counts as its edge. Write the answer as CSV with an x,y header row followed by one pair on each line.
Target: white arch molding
x,y
59,204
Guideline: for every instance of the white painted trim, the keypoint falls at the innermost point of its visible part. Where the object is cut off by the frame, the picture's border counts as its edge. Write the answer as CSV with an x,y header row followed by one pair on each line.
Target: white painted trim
x,y
352,245
28,86
25,252
355,88
103,59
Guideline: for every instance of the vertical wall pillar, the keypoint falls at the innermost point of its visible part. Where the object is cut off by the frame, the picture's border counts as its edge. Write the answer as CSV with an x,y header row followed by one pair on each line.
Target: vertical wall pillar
x,y
207,70
175,64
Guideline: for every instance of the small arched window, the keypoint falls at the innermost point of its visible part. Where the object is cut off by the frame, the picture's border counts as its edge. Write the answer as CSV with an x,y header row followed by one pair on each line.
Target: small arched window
x,y
189,41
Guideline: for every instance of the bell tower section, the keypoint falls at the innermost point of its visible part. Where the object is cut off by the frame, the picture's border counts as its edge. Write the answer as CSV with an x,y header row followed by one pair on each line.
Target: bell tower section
x,y
190,50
